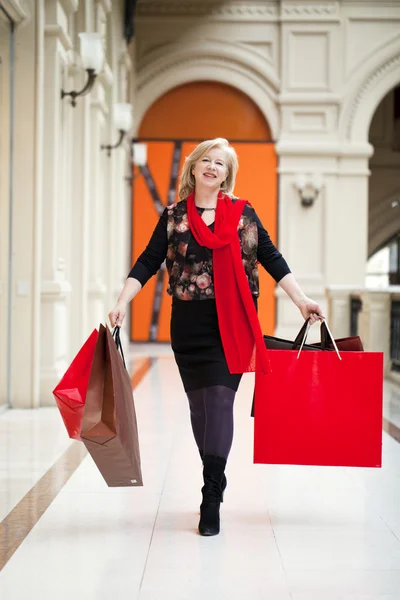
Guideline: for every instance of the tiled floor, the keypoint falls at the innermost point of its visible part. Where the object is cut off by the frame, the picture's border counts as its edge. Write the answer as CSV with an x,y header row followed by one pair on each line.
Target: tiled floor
x,y
299,533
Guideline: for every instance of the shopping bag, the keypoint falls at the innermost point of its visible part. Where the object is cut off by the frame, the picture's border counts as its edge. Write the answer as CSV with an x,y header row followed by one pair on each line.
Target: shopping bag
x,y
109,427
320,408
347,344
70,392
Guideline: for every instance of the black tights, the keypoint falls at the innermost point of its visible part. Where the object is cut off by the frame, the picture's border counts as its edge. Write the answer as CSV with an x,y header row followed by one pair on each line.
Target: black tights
x,y
211,414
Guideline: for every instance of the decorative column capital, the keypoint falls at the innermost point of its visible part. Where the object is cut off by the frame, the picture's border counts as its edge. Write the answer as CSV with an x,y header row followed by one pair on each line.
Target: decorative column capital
x,y
17,10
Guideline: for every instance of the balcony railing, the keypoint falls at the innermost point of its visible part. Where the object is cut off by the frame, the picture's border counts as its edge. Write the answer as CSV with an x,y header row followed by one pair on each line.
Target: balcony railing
x,y
374,315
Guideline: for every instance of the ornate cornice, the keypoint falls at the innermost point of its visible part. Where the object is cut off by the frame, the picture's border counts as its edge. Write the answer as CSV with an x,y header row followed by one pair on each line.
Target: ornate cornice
x,y
386,67
190,8
320,10
372,3
235,9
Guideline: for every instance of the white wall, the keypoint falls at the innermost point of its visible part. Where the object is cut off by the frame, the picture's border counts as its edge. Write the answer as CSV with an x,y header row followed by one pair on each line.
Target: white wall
x,y
5,39
67,192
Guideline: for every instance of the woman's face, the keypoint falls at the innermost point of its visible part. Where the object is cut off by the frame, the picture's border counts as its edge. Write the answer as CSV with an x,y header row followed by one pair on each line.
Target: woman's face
x,y
211,169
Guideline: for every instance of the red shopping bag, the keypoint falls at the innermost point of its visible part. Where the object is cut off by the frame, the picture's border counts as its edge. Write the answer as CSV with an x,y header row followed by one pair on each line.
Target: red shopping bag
x,y
315,409
70,392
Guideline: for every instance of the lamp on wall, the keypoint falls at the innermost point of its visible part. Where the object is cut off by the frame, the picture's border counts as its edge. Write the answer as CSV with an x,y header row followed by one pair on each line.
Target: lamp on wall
x,y
92,55
139,154
139,159
309,188
122,117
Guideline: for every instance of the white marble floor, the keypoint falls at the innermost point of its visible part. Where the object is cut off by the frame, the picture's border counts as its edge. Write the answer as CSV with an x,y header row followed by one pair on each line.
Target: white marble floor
x,y
288,533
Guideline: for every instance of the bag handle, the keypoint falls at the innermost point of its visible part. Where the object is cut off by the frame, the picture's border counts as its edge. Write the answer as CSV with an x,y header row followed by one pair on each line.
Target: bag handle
x,y
326,337
332,339
325,331
117,339
300,336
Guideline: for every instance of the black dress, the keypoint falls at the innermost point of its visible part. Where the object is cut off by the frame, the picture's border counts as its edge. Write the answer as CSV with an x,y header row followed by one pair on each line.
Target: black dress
x,y
195,335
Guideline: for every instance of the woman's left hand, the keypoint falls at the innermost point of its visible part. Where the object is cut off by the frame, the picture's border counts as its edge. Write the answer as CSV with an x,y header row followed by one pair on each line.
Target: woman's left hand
x,y
310,309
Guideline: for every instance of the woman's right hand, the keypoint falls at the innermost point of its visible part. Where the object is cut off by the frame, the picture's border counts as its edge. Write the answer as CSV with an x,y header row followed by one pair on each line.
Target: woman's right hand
x,y
117,315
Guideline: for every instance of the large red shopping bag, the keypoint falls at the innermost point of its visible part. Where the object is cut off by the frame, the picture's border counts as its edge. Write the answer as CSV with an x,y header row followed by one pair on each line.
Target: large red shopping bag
x,y
70,392
315,409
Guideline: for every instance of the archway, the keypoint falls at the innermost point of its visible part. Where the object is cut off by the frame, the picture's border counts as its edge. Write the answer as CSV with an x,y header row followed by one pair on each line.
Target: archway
x,y
172,126
366,128
217,61
376,77
384,192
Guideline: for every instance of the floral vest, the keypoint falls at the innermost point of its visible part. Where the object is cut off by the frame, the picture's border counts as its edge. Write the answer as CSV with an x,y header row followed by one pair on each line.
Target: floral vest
x,y
191,279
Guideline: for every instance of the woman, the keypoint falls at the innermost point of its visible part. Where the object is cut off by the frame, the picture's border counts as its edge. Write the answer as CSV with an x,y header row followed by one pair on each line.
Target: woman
x,y
212,243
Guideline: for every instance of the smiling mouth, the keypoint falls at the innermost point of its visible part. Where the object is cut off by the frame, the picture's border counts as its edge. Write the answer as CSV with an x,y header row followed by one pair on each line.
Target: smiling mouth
x,y
210,175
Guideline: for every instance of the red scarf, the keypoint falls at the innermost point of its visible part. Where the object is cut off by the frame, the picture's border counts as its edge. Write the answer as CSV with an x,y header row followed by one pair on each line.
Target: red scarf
x,y
240,329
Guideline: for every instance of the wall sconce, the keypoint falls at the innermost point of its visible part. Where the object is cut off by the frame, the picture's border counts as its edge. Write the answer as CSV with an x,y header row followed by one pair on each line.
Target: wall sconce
x,y
309,188
122,117
139,159
139,154
92,55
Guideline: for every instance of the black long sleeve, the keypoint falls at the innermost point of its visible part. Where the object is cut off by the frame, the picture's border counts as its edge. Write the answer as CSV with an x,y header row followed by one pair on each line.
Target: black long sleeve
x,y
268,255
154,255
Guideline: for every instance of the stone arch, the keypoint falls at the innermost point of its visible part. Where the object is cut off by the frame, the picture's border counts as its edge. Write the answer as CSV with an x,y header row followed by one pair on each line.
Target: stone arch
x,y
383,227
380,73
238,66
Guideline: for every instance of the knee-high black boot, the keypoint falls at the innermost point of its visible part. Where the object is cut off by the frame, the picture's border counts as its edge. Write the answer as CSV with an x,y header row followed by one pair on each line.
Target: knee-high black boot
x,y
213,473
224,480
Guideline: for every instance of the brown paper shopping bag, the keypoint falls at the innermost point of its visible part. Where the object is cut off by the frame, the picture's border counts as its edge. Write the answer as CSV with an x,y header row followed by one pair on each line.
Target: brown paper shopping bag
x,y
109,426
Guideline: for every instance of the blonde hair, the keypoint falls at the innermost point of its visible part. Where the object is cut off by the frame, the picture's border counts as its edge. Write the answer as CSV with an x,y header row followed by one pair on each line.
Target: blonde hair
x,y
187,182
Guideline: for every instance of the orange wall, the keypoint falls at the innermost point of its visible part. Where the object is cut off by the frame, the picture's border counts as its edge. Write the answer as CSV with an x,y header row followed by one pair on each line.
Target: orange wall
x,y
203,110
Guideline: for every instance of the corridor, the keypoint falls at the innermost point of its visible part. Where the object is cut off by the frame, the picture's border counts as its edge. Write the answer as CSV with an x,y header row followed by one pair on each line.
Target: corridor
x,y
287,533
